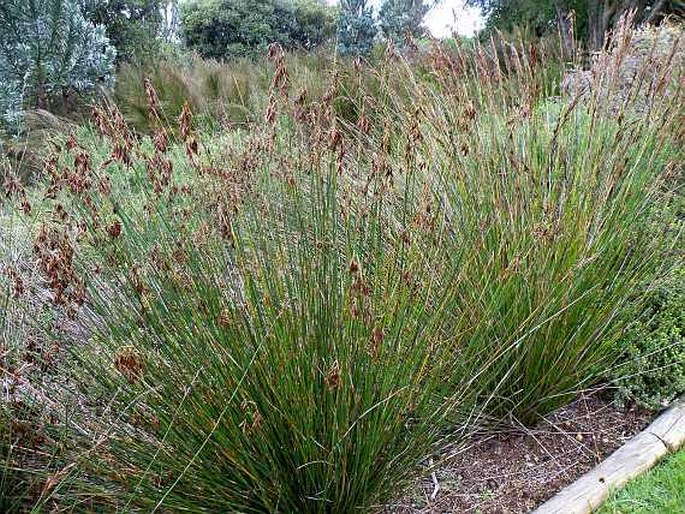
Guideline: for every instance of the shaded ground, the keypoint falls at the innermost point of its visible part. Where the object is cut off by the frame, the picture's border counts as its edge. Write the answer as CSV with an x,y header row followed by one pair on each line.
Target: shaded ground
x,y
516,472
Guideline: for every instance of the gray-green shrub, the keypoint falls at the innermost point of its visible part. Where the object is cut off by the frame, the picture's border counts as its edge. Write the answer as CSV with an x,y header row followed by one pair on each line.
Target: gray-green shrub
x,y
48,54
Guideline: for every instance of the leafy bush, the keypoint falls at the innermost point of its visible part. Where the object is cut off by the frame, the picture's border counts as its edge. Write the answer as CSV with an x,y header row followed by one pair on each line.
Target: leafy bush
x,y
652,368
11,101
133,27
401,18
233,28
594,22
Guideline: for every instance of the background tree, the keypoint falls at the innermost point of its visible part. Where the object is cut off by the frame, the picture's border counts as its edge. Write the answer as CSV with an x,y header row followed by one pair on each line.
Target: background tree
x,y
134,27
234,28
602,16
592,18
49,54
312,25
356,27
401,18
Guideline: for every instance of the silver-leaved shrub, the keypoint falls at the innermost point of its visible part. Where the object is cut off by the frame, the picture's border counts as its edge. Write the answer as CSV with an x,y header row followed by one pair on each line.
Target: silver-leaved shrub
x,y
50,55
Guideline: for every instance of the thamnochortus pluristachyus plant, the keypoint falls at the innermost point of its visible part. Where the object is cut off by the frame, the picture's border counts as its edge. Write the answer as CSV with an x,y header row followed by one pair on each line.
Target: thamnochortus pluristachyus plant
x,y
291,320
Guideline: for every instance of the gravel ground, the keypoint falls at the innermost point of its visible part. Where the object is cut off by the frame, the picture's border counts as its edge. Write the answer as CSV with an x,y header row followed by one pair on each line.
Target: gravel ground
x,y
517,471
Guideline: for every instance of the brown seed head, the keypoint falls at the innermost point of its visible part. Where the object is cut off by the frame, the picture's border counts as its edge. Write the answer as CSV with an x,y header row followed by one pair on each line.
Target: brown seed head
x,y
376,339
185,120
153,103
333,379
129,363
114,230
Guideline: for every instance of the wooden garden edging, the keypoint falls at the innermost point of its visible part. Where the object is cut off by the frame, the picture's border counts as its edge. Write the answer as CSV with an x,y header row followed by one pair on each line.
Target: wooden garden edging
x,y
664,436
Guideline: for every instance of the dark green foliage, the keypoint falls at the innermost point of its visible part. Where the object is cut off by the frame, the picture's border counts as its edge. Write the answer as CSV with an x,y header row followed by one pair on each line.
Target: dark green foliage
x,y
312,25
652,372
222,29
592,18
11,102
356,28
133,26
402,18
506,15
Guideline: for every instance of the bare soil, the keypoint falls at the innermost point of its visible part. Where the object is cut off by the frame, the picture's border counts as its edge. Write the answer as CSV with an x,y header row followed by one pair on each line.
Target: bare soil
x,y
515,472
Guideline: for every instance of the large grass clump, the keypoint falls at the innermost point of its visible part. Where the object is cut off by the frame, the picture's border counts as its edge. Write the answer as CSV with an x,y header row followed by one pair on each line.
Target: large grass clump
x,y
287,365
292,318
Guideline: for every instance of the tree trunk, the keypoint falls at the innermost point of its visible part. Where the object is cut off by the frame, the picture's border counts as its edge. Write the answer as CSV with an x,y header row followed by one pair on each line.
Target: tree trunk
x,y
565,24
657,10
596,25
605,14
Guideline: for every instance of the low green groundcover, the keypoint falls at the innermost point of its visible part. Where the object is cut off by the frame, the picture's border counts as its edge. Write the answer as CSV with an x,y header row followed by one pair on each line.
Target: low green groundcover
x,y
661,491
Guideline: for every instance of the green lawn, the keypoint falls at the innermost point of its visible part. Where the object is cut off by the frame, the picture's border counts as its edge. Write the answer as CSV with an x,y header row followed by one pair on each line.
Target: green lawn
x,y
662,491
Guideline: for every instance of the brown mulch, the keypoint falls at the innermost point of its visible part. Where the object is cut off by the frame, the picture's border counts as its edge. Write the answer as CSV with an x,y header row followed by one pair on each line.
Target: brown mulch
x,y
516,472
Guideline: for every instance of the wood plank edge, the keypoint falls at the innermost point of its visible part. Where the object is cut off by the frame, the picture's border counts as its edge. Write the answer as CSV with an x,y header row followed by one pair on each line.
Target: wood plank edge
x,y
664,436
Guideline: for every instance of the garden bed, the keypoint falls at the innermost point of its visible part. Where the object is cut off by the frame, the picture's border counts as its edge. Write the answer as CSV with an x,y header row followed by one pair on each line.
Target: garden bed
x,y
291,318
516,472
